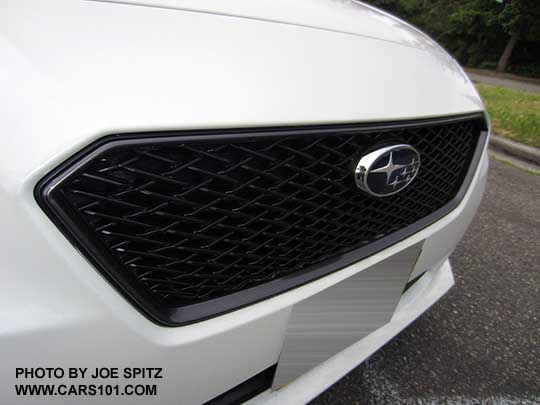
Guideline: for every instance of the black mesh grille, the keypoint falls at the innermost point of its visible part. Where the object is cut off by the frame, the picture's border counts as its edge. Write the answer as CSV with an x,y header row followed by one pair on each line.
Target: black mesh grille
x,y
194,219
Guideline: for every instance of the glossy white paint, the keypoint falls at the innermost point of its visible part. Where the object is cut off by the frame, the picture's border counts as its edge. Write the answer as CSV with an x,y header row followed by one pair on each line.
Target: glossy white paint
x,y
441,243
72,71
83,69
343,16
413,303
55,309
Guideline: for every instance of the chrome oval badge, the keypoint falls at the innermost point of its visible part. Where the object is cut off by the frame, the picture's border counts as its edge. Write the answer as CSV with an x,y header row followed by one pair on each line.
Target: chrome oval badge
x,y
388,170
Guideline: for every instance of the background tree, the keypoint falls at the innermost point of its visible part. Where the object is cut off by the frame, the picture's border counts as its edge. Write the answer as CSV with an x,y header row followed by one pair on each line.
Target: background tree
x,y
521,20
479,33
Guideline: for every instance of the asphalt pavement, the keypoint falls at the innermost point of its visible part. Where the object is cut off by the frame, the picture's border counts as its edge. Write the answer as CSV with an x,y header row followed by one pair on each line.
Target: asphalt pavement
x,y
504,82
480,344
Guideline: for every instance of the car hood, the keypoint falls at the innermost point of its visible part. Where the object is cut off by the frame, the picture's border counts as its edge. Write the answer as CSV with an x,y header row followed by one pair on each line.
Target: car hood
x,y
345,16
74,71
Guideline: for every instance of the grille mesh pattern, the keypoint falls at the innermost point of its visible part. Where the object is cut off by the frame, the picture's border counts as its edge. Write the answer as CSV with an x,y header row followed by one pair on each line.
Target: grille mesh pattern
x,y
193,221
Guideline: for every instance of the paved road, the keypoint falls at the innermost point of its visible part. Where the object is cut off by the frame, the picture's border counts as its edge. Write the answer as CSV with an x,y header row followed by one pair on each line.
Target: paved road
x,y
481,342
499,81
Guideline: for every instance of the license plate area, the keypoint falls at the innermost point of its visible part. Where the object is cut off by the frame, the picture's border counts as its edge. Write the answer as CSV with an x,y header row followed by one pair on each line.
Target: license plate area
x,y
332,320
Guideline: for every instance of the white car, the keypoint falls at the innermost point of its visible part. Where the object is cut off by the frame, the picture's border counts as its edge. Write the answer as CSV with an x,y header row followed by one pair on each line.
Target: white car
x,y
221,201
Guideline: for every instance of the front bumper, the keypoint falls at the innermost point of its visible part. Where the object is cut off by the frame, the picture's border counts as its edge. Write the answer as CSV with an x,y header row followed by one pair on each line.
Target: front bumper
x,y
172,69
440,241
432,286
72,312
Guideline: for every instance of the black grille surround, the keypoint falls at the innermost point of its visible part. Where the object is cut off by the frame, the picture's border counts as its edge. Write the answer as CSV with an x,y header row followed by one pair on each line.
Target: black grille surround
x,y
192,224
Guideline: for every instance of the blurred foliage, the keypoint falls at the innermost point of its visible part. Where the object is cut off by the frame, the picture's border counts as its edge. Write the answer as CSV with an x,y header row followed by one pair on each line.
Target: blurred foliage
x,y
477,31
522,17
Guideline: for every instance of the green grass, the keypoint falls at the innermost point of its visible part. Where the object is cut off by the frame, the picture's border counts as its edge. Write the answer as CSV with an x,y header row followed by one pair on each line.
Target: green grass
x,y
514,113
